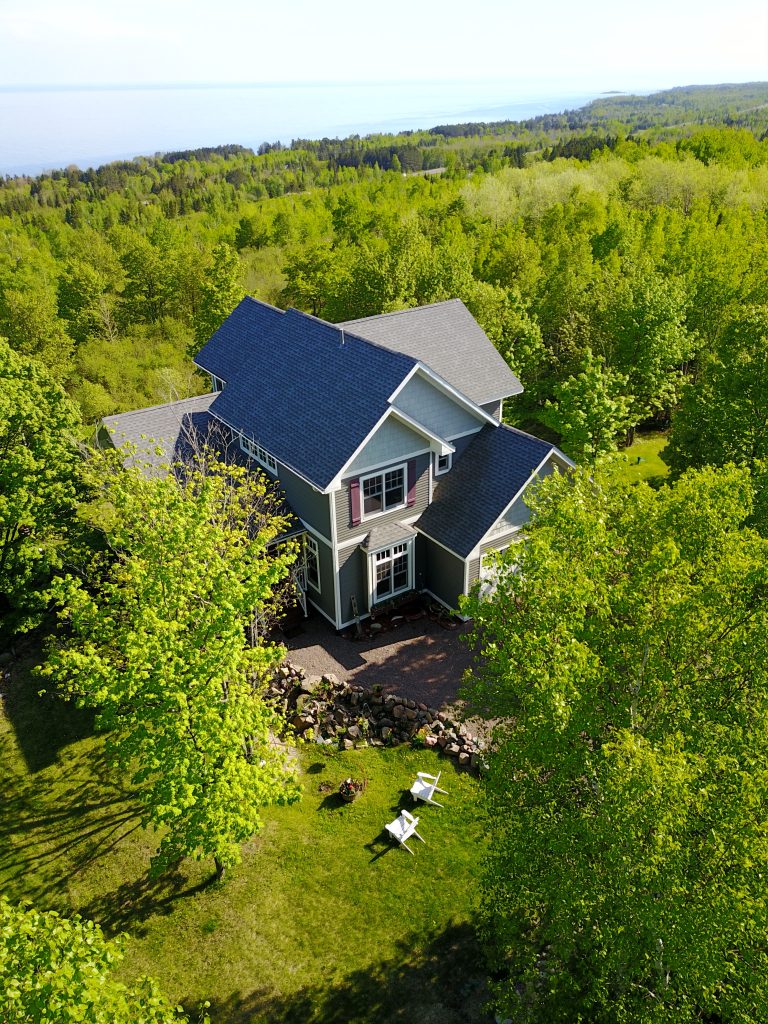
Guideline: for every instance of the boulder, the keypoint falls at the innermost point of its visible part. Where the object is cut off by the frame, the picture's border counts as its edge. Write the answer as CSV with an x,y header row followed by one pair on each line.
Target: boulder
x,y
386,732
354,732
430,741
410,714
464,758
452,749
331,678
311,683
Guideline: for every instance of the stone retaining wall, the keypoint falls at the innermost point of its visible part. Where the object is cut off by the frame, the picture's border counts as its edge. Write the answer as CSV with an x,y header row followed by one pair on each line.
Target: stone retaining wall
x,y
350,716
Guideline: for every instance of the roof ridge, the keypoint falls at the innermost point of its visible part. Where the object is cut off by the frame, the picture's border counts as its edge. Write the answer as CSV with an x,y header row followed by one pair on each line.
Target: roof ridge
x,y
341,328
399,312
260,302
161,405
524,433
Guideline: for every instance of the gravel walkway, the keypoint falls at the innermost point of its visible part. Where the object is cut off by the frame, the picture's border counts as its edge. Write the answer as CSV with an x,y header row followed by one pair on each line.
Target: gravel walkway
x,y
421,660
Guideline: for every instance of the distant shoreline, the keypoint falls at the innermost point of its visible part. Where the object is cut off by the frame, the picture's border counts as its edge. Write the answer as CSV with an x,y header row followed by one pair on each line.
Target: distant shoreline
x,y
48,128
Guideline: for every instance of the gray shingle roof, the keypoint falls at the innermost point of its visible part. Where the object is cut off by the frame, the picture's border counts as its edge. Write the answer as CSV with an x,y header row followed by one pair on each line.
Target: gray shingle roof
x,y
384,536
160,433
165,434
303,389
446,337
491,471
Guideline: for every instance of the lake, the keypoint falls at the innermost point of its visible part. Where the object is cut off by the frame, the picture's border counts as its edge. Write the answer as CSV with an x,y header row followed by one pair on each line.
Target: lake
x,y
45,128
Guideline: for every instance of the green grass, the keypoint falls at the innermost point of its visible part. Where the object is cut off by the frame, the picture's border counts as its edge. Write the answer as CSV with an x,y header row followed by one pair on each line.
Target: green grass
x,y
325,920
642,460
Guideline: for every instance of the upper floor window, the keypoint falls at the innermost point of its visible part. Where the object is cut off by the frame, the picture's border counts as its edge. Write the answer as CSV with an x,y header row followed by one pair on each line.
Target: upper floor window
x,y
383,492
257,452
443,463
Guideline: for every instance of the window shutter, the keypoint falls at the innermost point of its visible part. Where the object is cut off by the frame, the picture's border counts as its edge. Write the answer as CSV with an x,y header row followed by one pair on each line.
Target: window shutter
x,y
411,482
354,501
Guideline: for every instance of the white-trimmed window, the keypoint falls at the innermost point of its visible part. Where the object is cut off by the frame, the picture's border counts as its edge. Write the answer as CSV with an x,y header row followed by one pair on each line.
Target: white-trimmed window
x,y
312,560
383,492
391,571
443,463
217,384
257,452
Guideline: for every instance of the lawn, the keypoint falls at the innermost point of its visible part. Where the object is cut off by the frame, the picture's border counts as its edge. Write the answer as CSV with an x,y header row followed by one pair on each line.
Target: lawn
x,y
325,920
642,460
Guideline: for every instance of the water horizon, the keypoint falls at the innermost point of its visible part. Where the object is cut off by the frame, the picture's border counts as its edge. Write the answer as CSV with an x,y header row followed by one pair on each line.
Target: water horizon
x,y
44,128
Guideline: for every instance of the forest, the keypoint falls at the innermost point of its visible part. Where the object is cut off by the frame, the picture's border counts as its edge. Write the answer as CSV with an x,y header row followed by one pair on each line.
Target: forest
x,y
617,257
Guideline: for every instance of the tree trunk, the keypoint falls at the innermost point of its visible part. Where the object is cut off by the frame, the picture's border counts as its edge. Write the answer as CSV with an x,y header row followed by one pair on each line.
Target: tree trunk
x,y
220,869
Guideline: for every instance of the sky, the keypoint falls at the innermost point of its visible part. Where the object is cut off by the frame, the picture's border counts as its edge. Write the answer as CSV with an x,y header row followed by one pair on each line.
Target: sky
x,y
595,44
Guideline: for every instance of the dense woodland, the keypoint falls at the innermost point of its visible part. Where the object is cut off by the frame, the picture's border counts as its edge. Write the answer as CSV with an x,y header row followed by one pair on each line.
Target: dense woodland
x,y
617,256
584,245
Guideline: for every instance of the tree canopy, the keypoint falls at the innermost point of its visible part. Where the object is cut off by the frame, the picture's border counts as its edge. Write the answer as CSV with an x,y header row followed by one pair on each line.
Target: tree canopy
x,y
59,970
38,483
159,645
625,653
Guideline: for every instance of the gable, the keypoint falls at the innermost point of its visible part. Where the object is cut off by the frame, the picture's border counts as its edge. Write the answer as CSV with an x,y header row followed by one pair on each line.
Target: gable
x,y
491,473
519,513
392,442
445,337
423,401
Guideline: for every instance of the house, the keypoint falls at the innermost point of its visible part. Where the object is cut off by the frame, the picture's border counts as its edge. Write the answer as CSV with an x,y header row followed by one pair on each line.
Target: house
x,y
385,436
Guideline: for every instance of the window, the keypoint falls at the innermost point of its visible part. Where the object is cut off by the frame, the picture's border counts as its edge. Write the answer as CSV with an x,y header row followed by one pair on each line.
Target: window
x,y
392,571
257,452
443,463
383,492
312,559
217,384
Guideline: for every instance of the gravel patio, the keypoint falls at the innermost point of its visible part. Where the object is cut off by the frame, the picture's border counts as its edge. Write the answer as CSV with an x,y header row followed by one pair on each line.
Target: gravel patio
x,y
422,660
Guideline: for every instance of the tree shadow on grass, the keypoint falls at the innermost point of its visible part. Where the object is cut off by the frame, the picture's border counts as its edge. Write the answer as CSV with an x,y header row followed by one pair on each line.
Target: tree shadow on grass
x,y
439,979
130,905
43,724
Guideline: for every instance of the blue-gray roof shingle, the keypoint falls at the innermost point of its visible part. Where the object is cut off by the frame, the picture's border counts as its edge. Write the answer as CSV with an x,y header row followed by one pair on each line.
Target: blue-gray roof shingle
x,y
491,471
306,391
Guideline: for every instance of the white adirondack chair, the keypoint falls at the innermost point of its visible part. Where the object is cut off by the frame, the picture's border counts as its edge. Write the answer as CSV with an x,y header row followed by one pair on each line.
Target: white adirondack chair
x,y
402,828
425,787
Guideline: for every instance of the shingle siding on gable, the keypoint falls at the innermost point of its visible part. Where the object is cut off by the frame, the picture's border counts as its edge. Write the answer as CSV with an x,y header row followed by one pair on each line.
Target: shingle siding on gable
x,y
344,528
392,442
435,410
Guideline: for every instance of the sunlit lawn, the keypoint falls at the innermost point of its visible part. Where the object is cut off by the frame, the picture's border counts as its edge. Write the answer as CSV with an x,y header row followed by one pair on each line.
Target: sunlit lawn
x,y
643,459
326,920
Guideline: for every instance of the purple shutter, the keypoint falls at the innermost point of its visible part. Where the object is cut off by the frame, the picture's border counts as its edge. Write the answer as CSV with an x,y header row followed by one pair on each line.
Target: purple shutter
x,y
354,501
411,482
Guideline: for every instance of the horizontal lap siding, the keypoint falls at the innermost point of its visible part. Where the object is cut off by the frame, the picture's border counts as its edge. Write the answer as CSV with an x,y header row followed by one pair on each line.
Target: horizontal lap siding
x,y
352,581
326,598
311,506
344,528
444,573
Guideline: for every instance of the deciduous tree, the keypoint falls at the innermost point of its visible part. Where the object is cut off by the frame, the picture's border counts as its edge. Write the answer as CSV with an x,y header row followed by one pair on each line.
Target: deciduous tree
x,y
159,646
627,661
58,970
38,487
